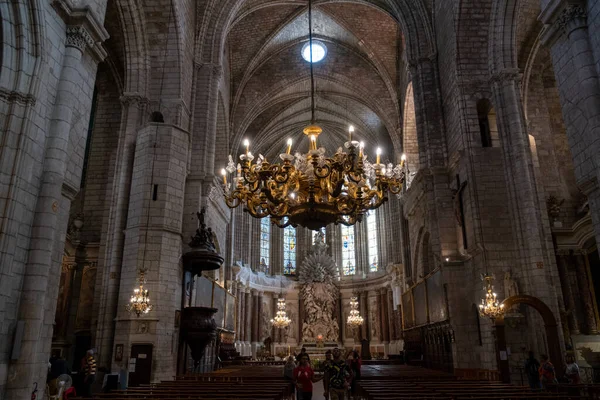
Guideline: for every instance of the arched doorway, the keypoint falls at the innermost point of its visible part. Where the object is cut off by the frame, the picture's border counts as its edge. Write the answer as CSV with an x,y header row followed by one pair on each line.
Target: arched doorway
x,y
550,325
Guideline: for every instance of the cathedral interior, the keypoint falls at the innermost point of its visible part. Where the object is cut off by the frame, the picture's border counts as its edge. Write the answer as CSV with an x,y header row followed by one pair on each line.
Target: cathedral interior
x,y
135,135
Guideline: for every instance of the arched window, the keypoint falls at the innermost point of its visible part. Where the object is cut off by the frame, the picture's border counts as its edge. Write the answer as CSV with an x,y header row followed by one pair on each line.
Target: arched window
x,y
289,250
265,239
314,235
372,238
488,125
348,252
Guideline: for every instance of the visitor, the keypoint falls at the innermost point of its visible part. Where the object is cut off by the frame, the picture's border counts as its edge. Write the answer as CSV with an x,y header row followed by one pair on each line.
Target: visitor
x,y
58,367
547,372
304,376
532,370
324,368
302,353
288,371
572,370
354,362
338,376
89,369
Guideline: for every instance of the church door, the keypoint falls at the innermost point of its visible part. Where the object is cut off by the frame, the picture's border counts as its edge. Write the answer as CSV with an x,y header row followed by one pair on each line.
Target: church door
x,y
140,365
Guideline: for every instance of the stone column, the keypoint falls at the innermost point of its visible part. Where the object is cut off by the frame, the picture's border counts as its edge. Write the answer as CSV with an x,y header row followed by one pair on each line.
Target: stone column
x,y
201,178
254,322
259,319
110,260
585,294
37,304
531,237
390,315
247,318
584,129
562,263
363,299
275,331
385,333
433,157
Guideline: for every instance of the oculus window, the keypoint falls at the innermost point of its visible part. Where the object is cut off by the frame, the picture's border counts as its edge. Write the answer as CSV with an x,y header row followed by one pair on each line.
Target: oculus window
x,y
319,51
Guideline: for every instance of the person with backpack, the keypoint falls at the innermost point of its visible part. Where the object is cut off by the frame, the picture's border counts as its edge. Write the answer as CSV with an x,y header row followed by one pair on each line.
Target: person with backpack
x,y
532,367
339,376
547,371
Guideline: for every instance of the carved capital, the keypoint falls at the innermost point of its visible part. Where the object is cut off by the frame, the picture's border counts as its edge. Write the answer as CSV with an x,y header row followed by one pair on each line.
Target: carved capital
x,y
414,63
79,37
68,266
572,17
216,70
506,75
133,99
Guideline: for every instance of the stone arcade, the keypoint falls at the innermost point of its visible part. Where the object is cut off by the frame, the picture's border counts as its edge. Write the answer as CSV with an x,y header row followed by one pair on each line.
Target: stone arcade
x,y
116,115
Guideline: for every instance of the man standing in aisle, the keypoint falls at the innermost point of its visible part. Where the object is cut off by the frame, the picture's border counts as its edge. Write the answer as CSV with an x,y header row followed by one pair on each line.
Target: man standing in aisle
x,y
338,376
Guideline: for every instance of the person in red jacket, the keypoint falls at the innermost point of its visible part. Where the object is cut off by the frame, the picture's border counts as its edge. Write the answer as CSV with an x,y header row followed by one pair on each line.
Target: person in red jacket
x,y
304,377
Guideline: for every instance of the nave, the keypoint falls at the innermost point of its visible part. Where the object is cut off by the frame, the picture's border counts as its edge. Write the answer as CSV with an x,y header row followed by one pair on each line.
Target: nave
x,y
378,382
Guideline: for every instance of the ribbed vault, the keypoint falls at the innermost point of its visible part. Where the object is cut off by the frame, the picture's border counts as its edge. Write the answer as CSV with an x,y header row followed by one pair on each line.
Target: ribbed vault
x,y
356,84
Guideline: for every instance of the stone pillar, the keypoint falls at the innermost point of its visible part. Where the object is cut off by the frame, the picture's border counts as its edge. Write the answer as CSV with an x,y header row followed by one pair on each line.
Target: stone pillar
x,y
582,109
201,179
363,299
110,258
562,263
37,304
254,322
390,315
248,317
585,294
433,157
385,333
531,238
275,331
259,319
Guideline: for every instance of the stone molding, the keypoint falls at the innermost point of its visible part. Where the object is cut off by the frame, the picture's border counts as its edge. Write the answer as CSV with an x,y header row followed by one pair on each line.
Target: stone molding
x,y
13,96
83,28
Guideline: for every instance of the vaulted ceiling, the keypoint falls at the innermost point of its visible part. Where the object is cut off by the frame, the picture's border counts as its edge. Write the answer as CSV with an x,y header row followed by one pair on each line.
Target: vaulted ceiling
x,y
357,82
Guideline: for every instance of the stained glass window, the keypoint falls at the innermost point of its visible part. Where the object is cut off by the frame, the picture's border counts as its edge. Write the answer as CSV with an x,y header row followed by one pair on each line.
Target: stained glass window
x,y
265,239
314,235
372,238
348,252
289,250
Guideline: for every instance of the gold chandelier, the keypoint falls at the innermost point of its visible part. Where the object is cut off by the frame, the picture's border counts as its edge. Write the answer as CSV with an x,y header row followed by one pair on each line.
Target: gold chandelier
x,y
490,307
281,319
139,303
354,318
312,190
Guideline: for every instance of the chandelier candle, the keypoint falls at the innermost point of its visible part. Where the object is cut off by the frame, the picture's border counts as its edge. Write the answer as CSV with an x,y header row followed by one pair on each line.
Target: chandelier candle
x,y
289,148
